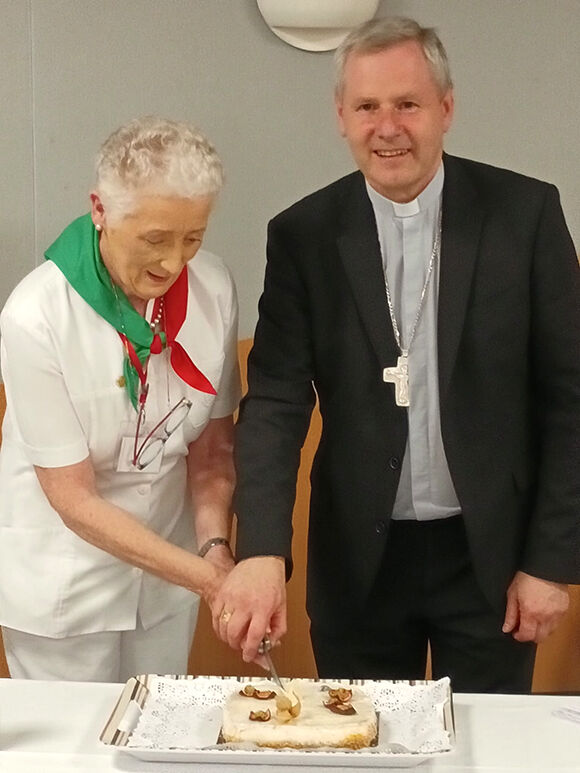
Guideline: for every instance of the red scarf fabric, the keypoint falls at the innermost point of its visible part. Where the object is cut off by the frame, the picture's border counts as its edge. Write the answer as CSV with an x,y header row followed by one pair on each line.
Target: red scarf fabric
x,y
174,312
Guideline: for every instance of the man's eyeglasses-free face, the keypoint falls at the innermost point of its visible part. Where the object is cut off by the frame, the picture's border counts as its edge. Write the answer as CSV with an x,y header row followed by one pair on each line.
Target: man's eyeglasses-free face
x,y
151,447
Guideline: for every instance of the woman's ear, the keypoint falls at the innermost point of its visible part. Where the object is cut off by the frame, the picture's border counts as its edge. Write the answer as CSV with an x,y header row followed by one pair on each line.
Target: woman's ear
x,y
97,211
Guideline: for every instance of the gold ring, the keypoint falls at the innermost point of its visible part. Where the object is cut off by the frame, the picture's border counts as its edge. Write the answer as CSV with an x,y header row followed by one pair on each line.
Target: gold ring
x,y
225,615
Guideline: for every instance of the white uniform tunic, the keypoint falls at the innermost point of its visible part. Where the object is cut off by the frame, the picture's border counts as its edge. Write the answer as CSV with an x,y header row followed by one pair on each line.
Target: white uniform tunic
x,y
61,364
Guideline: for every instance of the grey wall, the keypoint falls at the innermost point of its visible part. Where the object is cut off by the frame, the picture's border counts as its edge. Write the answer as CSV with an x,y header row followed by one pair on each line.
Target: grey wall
x,y
72,70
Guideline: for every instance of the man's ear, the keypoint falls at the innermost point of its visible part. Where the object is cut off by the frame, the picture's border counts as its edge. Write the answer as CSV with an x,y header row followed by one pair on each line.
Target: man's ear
x,y
448,107
339,115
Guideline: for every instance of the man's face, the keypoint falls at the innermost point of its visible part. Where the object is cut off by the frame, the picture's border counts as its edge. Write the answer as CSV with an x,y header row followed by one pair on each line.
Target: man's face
x,y
393,116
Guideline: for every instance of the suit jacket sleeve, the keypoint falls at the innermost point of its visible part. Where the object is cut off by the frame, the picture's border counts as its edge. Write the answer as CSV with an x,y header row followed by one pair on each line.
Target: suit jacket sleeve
x,y
552,548
275,414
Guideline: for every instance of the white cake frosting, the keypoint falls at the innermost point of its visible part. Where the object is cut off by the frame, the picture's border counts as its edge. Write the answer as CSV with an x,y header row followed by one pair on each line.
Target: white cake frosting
x,y
316,726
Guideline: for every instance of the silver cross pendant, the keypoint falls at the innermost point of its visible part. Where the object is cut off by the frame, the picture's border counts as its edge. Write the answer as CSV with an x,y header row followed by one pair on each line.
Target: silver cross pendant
x,y
399,376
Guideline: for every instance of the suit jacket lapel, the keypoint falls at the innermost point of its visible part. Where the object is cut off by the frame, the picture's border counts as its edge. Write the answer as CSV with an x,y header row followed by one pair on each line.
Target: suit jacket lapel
x,y
462,222
359,249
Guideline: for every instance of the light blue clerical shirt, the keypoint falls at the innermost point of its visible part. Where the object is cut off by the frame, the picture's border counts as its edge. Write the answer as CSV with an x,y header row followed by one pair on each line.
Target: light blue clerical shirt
x,y
406,234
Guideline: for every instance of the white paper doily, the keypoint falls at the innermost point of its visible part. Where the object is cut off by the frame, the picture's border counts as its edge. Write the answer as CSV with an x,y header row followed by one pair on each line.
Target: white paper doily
x,y
186,714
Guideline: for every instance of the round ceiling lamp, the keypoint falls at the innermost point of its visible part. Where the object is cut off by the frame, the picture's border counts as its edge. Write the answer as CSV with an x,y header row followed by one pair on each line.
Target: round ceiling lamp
x,y
315,25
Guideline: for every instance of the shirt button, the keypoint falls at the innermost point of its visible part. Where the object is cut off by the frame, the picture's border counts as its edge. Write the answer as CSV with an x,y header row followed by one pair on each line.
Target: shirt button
x,y
380,527
142,490
394,462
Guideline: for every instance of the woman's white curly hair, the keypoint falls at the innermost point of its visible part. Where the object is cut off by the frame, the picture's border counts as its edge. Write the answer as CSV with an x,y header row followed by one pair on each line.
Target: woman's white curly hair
x,y
155,156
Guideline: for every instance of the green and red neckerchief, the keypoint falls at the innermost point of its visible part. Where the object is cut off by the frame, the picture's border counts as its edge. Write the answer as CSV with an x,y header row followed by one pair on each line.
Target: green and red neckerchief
x,y
76,253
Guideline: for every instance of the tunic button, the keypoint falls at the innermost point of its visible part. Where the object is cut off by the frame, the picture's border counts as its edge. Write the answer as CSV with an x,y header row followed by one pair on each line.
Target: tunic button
x,y
142,490
380,527
394,462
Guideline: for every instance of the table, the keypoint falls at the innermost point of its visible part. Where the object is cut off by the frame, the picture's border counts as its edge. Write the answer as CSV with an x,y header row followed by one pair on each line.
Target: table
x,y
51,727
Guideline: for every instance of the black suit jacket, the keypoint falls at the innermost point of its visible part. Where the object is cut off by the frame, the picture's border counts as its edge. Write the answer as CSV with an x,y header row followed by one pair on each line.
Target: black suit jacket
x,y
509,379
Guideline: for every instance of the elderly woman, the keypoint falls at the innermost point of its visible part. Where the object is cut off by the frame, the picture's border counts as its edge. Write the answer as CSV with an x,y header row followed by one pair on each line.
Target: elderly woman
x,y
119,357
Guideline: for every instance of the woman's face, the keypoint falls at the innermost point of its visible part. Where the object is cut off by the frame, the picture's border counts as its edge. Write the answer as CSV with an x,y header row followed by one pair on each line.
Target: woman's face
x,y
145,251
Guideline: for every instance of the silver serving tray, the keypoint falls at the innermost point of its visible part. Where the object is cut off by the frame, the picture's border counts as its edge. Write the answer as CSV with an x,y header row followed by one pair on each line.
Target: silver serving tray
x,y
125,715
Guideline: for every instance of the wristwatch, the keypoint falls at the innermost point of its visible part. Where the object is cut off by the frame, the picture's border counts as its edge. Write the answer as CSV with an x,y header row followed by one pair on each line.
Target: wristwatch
x,y
211,543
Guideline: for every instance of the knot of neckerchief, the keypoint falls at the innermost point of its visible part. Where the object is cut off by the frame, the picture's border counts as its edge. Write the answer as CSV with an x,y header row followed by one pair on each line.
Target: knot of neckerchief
x,y
76,253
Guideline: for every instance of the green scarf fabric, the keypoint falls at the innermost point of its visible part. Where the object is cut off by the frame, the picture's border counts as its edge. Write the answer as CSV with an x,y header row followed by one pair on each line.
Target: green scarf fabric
x,y
76,253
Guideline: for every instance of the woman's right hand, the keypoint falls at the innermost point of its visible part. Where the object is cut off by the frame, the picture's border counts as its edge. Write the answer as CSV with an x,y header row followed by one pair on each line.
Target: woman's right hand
x,y
73,493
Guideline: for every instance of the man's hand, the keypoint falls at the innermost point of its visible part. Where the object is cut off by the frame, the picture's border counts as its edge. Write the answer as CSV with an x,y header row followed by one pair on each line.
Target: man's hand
x,y
250,604
534,607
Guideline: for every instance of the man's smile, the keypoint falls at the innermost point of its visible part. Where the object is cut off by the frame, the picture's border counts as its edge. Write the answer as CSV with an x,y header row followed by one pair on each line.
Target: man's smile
x,y
391,153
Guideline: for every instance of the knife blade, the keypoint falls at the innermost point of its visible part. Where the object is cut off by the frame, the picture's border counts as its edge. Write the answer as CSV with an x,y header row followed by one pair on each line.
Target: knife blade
x,y
265,647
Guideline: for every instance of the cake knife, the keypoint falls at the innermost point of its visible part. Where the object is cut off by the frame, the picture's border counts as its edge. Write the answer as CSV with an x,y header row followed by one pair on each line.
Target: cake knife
x,y
264,650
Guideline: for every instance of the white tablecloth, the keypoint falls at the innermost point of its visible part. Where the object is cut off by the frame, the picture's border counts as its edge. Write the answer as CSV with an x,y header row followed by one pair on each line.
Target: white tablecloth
x,y
55,726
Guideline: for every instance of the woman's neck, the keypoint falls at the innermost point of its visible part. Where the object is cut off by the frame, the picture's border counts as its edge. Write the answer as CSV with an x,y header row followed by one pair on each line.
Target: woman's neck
x,y
138,304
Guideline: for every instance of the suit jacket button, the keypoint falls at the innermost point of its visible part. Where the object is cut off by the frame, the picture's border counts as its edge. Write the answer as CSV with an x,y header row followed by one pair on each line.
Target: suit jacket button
x,y
380,527
394,462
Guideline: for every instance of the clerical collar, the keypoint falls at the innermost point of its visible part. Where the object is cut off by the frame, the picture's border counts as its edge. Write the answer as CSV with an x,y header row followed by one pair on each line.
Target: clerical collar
x,y
423,202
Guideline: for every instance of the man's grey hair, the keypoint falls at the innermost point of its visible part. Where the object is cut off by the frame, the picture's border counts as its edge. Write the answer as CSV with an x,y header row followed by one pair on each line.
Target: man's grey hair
x,y
155,156
381,34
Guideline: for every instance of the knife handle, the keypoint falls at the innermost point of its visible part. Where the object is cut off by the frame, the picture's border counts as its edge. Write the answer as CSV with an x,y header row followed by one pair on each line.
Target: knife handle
x,y
265,645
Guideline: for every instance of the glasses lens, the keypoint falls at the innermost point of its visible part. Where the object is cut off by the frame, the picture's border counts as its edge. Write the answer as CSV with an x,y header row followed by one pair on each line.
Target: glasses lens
x,y
177,417
152,446
150,452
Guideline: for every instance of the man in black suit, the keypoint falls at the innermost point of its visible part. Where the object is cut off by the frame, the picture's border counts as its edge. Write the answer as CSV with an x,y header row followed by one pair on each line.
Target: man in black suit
x,y
431,304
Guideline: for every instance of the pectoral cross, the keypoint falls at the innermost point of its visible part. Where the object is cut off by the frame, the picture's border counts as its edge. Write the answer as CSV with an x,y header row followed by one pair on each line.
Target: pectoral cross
x,y
399,376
